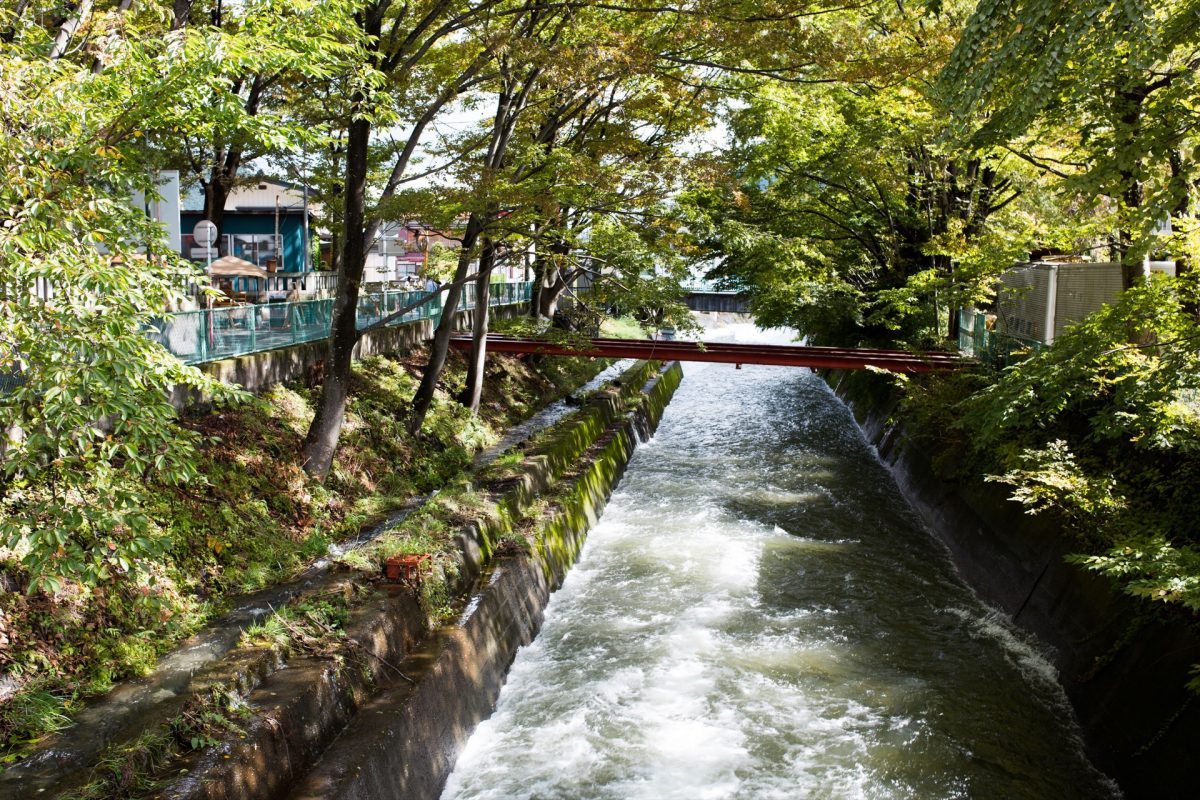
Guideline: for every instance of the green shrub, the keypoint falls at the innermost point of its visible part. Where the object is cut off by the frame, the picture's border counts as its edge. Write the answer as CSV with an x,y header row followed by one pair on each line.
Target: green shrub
x,y
1100,431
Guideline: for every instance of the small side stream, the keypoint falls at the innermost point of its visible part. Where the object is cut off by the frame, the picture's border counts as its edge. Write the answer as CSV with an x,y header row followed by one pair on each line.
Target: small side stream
x,y
549,415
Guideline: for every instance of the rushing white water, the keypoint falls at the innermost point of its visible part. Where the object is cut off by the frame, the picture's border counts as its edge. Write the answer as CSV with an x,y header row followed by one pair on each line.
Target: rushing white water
x,y
759,614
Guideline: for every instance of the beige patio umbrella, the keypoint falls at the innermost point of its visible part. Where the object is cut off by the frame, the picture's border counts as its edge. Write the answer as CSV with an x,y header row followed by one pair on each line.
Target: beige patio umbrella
x,y
234,267
227,269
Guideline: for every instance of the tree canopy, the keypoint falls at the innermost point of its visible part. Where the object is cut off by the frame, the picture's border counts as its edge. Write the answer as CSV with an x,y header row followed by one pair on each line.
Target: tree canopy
x,y
883,163
1100,94
90,108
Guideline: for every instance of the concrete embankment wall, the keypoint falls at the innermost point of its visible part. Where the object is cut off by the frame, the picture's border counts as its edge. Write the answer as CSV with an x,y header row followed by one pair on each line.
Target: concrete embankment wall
x,y
388,717
1123,666
405,744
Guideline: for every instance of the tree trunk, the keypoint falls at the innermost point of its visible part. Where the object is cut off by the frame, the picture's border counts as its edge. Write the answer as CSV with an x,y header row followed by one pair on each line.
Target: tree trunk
x,y
548,297
1181,210
321,442
216,193
440,347
67,32
945,266
509,103
1133,270
552,289
1132,191
224,173
535,296
335,252
181,11
473,391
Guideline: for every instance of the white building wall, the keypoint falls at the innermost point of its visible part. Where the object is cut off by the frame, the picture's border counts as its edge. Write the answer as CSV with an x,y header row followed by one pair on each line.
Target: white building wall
x,y
254,196
164,208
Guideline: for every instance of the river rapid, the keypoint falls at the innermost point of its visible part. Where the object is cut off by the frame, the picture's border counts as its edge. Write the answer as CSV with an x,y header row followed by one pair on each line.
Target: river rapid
x,y
760,614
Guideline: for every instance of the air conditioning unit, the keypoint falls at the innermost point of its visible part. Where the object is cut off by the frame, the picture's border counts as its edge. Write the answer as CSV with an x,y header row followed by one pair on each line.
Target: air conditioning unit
x,y
1038,301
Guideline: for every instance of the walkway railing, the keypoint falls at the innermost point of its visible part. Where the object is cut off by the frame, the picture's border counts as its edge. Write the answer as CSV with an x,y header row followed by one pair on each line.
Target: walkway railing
x,y
213,334
705,286
976,339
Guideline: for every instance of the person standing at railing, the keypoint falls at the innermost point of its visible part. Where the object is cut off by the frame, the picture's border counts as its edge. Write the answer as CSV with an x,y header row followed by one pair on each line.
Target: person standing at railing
x,y
431,286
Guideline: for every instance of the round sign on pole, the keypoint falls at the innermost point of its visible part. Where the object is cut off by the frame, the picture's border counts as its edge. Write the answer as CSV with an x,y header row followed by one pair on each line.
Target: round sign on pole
x,y
205,233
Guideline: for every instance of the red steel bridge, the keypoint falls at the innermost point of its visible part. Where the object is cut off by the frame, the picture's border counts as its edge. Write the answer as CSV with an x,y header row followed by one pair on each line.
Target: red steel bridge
x,y
726,353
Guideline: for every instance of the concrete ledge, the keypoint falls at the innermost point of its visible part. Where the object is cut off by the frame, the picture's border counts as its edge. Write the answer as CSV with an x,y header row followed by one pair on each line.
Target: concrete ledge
x,y
301,708
209,660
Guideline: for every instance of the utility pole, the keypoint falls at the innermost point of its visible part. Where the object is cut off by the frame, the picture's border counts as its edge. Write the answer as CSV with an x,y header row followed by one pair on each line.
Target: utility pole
x,y
307,263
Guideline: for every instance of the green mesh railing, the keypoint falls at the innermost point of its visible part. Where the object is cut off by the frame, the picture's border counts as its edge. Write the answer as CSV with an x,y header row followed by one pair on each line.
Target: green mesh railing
x,y
213,334
991,346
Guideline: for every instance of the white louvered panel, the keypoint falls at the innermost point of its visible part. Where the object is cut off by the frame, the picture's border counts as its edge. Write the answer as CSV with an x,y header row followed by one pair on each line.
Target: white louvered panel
x,y
1022,301
1083,289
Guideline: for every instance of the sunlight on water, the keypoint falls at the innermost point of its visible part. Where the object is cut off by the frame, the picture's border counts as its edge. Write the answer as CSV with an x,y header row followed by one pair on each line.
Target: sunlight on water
x,y
759,614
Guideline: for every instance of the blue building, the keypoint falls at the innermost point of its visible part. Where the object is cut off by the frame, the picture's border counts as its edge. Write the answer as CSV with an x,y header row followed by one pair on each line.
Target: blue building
x,y
264,223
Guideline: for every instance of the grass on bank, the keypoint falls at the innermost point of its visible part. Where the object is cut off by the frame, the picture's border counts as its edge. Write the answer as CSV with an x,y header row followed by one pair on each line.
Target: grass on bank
x,y
254,519
622,328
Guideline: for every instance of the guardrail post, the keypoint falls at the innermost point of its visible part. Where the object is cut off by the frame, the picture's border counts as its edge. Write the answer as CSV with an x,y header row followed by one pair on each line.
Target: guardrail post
x,y
253,328
205,324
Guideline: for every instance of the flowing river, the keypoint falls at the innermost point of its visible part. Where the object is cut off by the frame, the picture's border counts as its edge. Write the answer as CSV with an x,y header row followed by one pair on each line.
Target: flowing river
x,y
760,614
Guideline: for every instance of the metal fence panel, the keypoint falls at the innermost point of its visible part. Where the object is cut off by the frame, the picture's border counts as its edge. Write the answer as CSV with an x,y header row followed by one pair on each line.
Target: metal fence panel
x,y
975,338
213,334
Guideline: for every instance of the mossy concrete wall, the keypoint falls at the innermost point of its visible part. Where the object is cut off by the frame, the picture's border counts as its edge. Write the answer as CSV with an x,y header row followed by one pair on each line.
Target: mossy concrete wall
x,y
388,716
405,743
638,393
1123,665
296,704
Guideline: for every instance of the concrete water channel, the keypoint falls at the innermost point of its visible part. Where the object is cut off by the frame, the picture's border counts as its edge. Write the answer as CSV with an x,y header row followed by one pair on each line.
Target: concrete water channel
x,y
757,613
760,614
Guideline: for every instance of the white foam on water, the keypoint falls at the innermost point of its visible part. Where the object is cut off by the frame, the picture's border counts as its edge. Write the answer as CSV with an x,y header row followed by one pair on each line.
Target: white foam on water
x,y
700,650
1033,662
